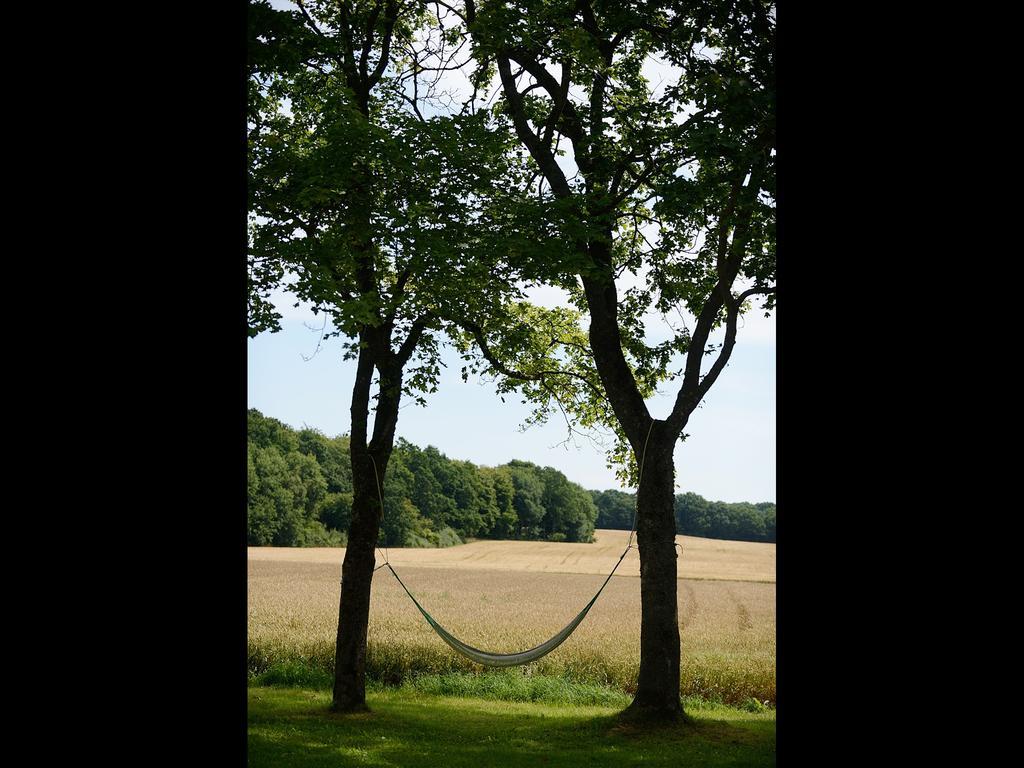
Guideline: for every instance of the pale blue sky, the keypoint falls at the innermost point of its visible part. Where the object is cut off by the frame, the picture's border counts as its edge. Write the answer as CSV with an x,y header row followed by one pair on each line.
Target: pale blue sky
x,y
729,456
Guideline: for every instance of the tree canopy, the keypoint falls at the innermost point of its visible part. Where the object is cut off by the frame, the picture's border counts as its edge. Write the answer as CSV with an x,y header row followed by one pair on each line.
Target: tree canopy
x,y
662,191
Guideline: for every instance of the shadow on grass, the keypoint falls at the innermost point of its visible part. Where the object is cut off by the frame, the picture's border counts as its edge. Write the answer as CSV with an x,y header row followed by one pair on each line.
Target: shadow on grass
x,y
289,727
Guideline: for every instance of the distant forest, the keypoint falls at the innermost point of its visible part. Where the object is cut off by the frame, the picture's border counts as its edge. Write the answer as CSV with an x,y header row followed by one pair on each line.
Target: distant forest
x,y
695,516
300,495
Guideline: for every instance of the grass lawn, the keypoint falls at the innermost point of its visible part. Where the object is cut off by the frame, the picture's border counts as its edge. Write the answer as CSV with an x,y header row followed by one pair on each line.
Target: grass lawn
x,y
293,727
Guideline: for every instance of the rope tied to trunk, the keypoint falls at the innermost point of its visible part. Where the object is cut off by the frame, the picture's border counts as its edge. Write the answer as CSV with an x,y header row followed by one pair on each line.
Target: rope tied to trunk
x,y
639,479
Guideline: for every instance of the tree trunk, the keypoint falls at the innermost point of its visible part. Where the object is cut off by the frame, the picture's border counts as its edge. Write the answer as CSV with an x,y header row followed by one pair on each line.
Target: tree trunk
x,y
657,695
356,579
369,466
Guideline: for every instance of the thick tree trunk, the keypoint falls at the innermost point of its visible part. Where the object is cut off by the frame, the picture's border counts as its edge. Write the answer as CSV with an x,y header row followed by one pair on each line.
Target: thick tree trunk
x,y
356,579
369,465
657,695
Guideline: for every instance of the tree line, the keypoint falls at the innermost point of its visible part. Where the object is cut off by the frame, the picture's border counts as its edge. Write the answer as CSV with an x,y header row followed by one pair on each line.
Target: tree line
x,y
300,494
695,516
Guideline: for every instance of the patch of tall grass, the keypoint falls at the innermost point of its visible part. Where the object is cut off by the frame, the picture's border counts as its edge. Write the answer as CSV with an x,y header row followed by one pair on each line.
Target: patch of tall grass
x,y
725,680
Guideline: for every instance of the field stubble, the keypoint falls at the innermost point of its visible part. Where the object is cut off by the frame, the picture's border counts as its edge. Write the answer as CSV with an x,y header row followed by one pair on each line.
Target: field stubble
x,y
508,600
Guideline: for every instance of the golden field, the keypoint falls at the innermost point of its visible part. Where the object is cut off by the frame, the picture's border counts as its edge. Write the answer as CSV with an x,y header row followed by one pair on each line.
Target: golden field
x,y
506,596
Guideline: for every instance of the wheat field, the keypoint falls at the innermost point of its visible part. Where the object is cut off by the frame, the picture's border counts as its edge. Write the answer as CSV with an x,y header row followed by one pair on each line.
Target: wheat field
x,y
505,596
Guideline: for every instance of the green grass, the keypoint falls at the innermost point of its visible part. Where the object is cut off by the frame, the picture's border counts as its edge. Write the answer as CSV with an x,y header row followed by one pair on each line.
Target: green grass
x,y
504,685
501,685
734,680
514,686
406,727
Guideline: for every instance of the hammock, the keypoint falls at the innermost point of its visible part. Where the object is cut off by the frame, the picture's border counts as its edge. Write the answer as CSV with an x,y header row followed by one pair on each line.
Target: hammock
x,y
507,659
523,657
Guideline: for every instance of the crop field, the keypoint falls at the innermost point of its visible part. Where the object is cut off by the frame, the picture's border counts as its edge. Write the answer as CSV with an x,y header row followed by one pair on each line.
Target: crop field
x,y
506,596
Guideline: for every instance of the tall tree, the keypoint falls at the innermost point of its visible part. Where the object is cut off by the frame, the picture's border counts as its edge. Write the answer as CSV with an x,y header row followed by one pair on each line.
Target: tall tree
x,y
672,187
369,207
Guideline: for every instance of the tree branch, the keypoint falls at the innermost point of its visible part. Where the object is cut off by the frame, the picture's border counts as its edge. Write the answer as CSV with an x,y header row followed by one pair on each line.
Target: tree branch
x,y
541,154
399,290
364,55
557,91
694,388
478,335
450,8
349,65
559,104
727,346
390,17
413,338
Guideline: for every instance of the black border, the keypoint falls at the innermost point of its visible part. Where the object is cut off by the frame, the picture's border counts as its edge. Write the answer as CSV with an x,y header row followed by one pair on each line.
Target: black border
x,y
180,395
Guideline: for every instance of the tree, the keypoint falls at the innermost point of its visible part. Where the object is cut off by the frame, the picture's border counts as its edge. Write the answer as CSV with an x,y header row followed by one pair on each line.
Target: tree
x,y
285,493
402,520
528,499
675,189
503,519
429,467
263,432
383,219
614,509
769,524
569,512
694,515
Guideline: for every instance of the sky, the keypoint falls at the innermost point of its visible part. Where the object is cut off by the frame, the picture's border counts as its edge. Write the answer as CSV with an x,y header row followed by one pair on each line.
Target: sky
x,y
728,456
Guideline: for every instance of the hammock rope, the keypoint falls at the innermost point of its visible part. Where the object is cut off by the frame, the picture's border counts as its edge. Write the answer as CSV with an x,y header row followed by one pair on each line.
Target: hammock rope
x,y
523,657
